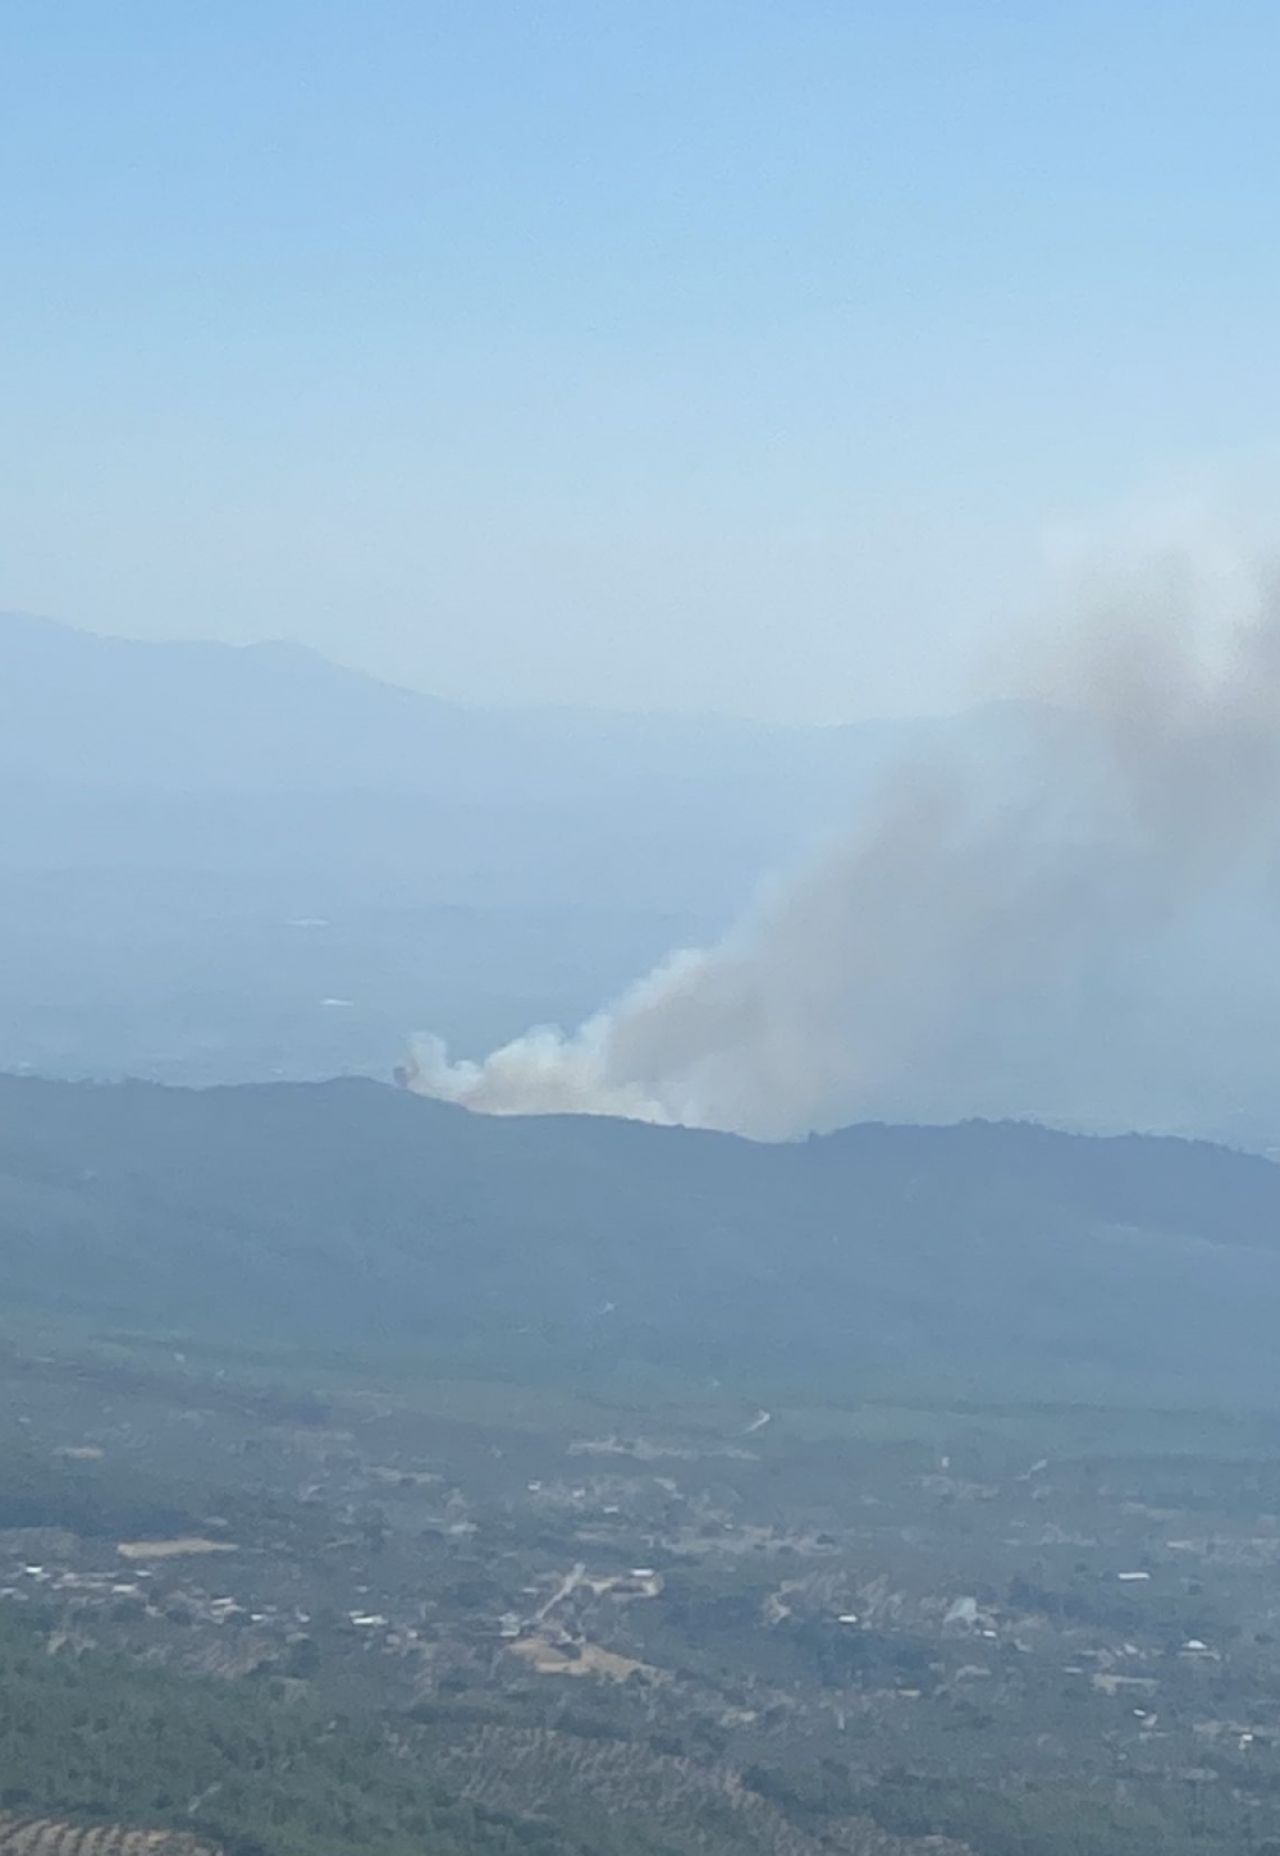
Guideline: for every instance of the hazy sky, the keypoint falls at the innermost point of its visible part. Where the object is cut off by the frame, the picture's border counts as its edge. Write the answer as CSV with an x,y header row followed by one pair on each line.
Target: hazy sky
x,y
685,353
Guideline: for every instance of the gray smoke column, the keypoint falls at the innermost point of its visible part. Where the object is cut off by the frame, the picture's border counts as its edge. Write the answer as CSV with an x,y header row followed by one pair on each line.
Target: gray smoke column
x,y
1083,931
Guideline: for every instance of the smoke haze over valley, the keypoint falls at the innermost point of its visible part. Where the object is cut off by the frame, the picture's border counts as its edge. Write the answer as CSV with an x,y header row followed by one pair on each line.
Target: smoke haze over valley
x,y
1058,906
1052,925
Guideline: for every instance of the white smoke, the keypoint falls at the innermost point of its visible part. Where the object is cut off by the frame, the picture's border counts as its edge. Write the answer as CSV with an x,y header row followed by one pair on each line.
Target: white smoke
x,y
1060,932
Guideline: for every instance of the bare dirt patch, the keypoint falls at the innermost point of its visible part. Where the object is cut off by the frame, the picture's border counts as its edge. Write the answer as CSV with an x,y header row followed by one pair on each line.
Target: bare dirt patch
x,y
580,1659
172,1549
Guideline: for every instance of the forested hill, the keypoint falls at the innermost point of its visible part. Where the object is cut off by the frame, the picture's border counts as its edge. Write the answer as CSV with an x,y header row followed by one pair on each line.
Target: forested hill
x,y
1006,1260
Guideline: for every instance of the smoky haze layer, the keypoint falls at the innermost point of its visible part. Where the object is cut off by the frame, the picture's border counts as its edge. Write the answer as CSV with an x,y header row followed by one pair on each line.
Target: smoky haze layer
x,y
1078,927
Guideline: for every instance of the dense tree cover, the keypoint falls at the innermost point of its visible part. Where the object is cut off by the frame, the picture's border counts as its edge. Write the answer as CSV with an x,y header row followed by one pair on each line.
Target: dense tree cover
x,y
244,1765
1170,1818
349,1214
1066,1820
265,1767
38,1491
261,1768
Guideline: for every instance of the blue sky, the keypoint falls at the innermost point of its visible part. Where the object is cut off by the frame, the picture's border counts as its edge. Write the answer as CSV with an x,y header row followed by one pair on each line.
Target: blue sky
x,y
704,356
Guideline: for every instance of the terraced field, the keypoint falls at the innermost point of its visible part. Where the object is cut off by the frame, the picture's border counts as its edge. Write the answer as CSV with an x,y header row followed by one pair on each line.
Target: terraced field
x,y
539,1770
53,1836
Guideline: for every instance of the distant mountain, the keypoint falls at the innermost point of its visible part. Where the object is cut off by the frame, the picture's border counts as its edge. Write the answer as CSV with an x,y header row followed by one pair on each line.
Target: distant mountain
x,y
171,812
993,1262
78,708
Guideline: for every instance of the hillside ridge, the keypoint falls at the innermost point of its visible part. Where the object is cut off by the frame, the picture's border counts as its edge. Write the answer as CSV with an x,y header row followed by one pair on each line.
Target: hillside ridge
x,y
348,1210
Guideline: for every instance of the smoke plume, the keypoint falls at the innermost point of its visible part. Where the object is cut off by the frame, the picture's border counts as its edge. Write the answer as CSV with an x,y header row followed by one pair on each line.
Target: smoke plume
x,y
1078,925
